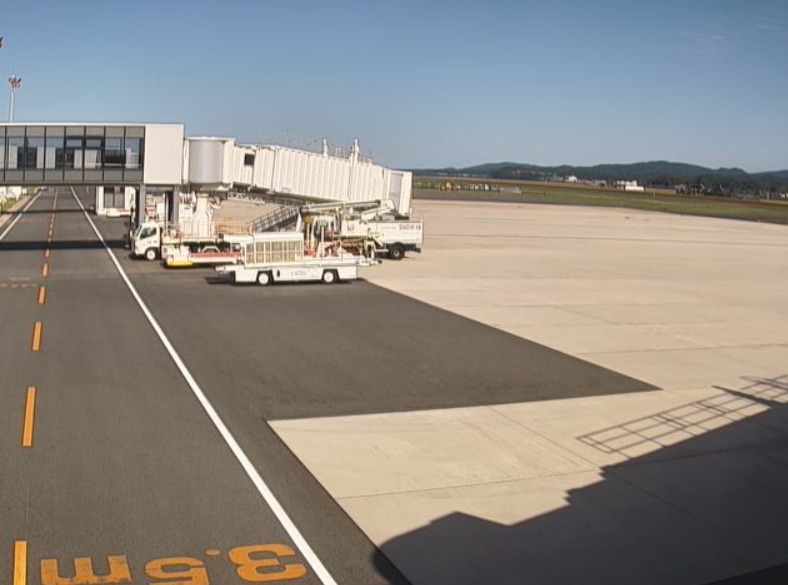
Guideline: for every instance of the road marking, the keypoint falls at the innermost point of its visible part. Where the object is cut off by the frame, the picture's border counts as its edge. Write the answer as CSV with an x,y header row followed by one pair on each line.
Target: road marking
x,y
46,253
118,565
18,217
258,482
42,294
37,328
20,562
30,413
258,563
45,270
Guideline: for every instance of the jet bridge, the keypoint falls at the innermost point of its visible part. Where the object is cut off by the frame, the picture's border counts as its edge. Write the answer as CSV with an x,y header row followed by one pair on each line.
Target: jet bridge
x,y
157,159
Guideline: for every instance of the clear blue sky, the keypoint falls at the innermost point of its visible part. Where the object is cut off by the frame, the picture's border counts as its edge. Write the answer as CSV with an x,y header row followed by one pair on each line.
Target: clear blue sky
x,y
426,83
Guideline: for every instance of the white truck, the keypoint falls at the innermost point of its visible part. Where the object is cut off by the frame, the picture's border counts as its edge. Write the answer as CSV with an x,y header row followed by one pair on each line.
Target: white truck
x,y
393,234
203,234
392,237
194,231
283,257
186,242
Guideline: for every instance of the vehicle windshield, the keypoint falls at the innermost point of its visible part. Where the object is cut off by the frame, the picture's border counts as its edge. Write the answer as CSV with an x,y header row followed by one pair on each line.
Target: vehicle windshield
x,y
146,232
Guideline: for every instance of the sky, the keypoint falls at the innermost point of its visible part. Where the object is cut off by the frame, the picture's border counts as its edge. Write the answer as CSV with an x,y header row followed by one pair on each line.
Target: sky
x,y
422,83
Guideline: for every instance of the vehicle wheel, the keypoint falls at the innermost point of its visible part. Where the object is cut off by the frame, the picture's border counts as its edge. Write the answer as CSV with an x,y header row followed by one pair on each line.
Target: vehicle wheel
x,y
397,252
263,278
151,254
329,277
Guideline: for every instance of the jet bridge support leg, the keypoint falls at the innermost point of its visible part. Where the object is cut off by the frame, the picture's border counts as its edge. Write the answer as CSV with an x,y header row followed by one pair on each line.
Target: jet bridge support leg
x,y
173,204
139,205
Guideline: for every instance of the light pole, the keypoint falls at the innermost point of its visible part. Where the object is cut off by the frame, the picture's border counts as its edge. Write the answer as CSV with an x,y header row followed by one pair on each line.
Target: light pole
x,y
15,83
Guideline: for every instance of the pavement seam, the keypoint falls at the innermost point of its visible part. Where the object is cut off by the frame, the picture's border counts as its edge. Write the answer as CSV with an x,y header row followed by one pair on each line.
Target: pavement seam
x,y
468,485
745,544
546,438
666,349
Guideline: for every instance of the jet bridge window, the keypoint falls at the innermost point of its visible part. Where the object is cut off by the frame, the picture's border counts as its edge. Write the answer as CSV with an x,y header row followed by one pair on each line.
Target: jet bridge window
x,y
249,160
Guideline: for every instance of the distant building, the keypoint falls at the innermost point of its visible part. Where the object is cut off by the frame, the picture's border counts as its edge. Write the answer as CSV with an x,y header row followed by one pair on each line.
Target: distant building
x,y
629,186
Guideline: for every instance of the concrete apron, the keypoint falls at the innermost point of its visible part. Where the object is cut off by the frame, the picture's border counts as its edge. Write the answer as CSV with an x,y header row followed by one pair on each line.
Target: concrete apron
x,y
681,485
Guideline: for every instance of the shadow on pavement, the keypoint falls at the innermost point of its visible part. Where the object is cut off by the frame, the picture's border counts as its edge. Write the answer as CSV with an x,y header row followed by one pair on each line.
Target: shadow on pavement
x,y
43,211
704,504
10,246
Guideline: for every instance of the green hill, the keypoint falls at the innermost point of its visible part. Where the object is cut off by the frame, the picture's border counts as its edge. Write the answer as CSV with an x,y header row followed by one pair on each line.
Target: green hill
x,y
650,174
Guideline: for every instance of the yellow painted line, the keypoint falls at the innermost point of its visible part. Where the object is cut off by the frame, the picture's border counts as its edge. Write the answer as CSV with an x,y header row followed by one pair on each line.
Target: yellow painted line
x,y
42,294
46,253
20,563
30,412
45,270
37,328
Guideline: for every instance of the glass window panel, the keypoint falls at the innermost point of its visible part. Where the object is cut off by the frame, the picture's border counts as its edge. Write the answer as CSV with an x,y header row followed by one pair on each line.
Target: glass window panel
x,y
72,156
93,148
133,149
54,152
114,155
34,154
16,150
2,152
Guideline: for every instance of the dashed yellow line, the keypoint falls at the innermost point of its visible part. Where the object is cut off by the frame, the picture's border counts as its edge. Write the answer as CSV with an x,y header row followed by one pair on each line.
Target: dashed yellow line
x,y
20,563
42,294
37,331
45,270
46,253
30,413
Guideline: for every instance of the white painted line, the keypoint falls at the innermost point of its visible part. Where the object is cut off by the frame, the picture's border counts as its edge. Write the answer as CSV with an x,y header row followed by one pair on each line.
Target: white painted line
x,y
18,216
280,513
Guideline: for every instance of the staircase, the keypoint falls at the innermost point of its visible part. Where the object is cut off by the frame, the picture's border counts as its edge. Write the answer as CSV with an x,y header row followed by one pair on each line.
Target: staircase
x,y
278,219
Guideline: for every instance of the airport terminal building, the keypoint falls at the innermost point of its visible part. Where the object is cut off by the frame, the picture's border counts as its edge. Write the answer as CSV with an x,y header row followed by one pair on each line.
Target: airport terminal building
x,y
159,159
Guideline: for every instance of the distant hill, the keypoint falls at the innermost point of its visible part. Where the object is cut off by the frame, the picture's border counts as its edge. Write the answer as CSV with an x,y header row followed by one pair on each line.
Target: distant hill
x,y
650,174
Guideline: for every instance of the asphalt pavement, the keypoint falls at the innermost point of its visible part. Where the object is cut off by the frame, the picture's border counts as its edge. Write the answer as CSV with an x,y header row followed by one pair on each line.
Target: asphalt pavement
x,y
126,466
123,466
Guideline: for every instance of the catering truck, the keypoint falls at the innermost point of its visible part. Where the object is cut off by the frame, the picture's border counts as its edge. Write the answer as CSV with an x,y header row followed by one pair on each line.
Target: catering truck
x,y
198,229
377,221
207,231
392,237
153,240
288,257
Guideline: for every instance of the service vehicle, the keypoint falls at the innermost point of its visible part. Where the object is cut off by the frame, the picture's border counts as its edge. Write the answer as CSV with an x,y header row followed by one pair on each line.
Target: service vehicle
x,y
293,257
203,234
392,237
377,221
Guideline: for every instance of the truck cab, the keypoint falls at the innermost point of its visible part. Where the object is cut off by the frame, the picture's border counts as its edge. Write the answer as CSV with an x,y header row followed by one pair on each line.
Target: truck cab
x,y
146,241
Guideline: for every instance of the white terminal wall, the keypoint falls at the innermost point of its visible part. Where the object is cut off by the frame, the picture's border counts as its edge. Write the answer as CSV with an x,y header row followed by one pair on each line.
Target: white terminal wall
x,y
164,148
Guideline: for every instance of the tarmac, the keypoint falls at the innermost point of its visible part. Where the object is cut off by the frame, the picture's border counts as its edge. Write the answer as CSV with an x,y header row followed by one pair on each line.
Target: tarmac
x,y
681,482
